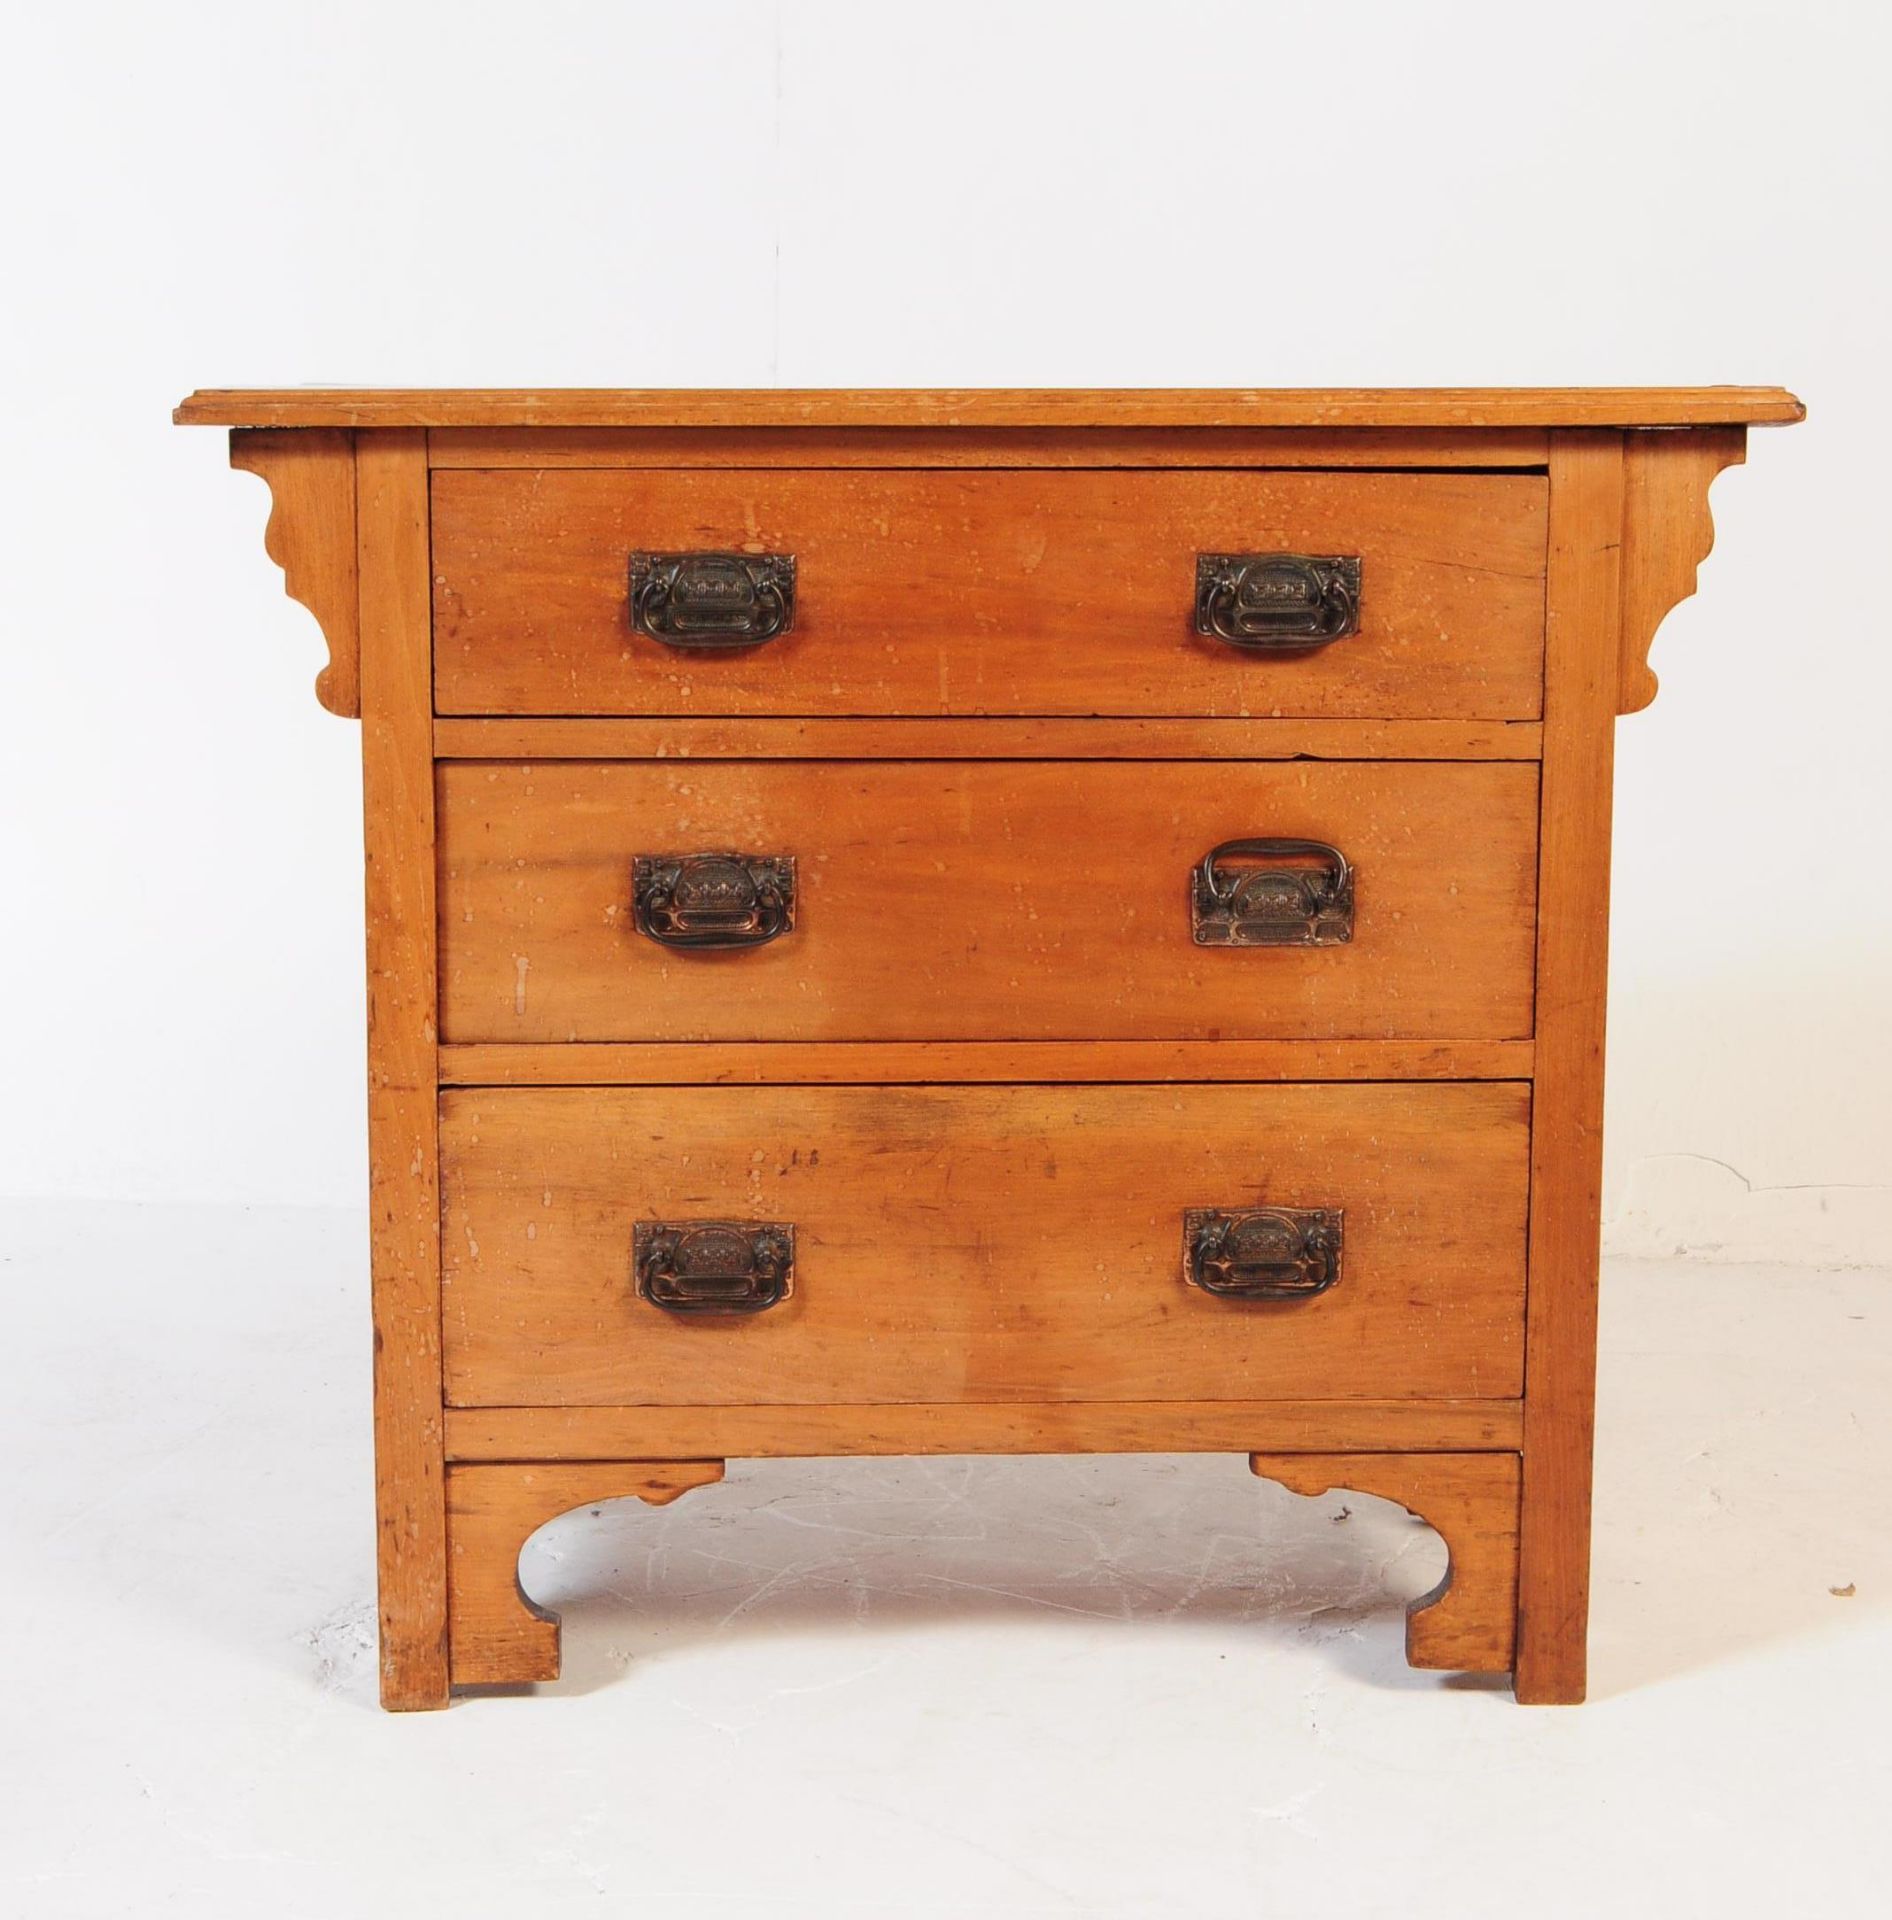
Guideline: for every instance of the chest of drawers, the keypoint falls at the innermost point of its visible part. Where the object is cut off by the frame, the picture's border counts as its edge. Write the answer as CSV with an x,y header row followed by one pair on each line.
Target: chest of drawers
x,y
985,922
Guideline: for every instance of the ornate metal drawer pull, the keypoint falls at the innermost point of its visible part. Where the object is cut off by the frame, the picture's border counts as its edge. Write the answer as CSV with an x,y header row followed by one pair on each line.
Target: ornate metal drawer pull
x,y
713,1266
712,601
708,900
1262,1253
1272,905
1277,602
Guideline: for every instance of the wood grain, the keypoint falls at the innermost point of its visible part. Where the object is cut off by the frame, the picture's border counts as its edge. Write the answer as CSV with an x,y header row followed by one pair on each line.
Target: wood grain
x,y
980,900
990,407
311,536
1567,1141
397,791
989,592
1466,1623
501,1638
981,1244
1667,533
844,1063
994,737
1162,1426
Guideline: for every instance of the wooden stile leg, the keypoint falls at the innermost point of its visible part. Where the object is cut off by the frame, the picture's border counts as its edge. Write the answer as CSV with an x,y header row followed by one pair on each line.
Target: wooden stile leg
x,y
404,1221
1584,608
1466,1623
499,1637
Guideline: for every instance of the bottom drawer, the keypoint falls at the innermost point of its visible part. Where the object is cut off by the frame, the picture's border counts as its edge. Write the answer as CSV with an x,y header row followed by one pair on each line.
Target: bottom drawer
x,y
983,1243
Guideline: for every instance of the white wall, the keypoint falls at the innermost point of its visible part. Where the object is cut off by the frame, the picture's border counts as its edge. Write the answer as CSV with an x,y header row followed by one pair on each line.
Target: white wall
x,y
975,195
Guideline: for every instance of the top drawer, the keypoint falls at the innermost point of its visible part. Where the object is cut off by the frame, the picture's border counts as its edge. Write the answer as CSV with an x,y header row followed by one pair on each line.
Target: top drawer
x,y
989,591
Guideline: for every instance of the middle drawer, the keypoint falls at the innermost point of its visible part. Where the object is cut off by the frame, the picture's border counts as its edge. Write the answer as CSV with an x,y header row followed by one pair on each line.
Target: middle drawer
x,y
986,901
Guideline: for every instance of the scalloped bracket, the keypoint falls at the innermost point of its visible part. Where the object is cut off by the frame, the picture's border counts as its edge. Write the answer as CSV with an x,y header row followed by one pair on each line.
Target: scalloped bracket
x,y
310,472
496,1635
1468,1622
1667,534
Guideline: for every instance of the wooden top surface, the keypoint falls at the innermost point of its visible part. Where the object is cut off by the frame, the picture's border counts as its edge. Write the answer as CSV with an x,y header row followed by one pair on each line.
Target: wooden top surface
x,y
1305,407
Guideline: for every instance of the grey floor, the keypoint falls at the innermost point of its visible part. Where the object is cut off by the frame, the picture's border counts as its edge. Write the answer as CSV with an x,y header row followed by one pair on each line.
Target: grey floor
x,y
1125,1687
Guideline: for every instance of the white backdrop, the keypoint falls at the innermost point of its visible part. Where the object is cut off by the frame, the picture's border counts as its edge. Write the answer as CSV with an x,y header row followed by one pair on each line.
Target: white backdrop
x,y
728,194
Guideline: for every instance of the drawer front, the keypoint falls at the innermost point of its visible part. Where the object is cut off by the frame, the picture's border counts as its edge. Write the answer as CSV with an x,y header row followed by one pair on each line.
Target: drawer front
x,y
982,1244
987,592
983,900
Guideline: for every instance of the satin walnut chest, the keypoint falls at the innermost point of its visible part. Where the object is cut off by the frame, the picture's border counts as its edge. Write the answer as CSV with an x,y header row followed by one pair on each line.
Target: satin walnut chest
x,y
985,922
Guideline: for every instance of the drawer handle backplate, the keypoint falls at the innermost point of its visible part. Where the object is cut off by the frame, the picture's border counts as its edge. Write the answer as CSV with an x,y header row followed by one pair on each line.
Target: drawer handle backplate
x,y
712,602
1301,896
1277,602
713,1266
711,900
1262,1253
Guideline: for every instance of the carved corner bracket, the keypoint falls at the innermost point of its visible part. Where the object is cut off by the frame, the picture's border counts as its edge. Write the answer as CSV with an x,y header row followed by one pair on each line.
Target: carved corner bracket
x,y
1468,1622
496,1635
1667,534
310,472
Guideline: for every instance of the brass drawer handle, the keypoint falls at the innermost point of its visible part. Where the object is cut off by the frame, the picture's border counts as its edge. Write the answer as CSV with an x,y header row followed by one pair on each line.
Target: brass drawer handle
x,y
1274,905
712,900
1262,1253
713,1266
712,602
1277,602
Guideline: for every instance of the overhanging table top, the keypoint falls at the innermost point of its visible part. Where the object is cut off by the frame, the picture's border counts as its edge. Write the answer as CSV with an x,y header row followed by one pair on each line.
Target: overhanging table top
x,y
989,408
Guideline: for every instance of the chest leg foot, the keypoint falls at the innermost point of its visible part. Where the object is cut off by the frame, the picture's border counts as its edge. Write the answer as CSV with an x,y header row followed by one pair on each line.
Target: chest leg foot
x,y
496,1636
1468,1622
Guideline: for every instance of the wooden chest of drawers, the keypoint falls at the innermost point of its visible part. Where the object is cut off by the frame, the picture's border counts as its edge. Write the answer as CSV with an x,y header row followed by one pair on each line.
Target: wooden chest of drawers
x,y
953,922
